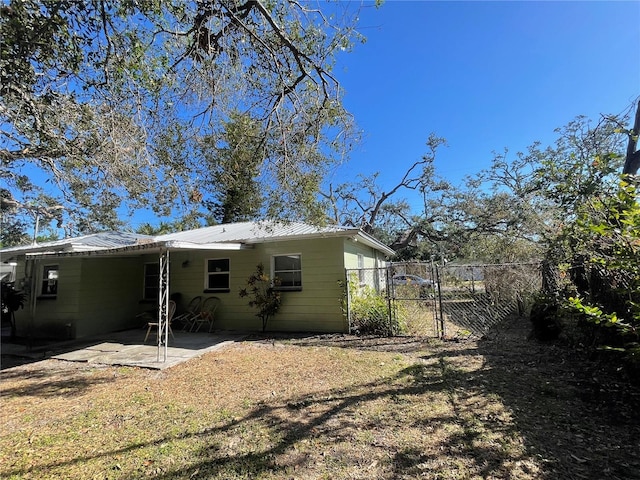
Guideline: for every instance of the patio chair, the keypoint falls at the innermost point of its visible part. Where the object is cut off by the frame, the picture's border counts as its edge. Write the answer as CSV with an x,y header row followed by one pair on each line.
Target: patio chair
x,y
188,317
207,314
150,325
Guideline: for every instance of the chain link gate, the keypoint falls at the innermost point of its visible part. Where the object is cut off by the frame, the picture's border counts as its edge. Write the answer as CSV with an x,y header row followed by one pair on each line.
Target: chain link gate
x,y
425,299
474,298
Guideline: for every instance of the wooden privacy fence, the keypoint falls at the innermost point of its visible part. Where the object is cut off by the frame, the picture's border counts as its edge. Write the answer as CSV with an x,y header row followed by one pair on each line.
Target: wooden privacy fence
x,y
440,300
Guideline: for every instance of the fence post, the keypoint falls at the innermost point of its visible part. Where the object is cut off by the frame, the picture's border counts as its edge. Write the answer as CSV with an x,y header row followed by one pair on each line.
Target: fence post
x,y
389,294
439,283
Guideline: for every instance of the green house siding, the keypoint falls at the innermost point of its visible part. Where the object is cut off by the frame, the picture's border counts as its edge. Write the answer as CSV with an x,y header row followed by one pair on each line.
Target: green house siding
x,y
95,295
99,294
372,258
110,291
54,315
315,308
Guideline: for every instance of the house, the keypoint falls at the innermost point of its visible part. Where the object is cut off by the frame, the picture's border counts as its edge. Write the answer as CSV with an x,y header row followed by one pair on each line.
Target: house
x,y
99,283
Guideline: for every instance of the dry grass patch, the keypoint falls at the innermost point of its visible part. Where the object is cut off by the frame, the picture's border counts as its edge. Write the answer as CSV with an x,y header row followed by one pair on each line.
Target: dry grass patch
x,y
323,407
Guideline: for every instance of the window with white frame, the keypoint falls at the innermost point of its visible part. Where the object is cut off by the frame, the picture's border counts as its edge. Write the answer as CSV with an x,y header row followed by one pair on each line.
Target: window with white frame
x,y
287,271
361,268
49,280
151,281
217,275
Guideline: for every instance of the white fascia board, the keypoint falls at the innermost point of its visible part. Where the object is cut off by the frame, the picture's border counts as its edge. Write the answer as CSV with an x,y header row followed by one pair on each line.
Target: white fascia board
x,y
177,245
151,247
373,243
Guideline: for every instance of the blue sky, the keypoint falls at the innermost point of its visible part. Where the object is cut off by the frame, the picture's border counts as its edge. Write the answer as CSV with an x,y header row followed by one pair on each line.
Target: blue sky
x,y
483,75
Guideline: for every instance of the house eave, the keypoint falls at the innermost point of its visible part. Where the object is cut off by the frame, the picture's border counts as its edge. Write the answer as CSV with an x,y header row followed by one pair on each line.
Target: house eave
x,y
355,234
139,249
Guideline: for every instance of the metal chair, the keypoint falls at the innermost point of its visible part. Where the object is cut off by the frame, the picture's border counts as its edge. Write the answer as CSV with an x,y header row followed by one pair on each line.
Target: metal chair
x,y
192,312
207,314
150,325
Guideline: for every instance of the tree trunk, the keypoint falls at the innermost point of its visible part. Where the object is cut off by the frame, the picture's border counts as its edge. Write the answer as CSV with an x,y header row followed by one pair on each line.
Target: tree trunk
x,y
632,161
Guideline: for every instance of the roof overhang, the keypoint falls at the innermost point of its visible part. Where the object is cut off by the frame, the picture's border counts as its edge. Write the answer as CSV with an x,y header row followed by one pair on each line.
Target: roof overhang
x,y
355,234
373,243
139,249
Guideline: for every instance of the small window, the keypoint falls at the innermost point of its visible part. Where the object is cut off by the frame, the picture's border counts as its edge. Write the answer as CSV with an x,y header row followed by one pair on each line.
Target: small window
x,y
361,268
287,269
217,275
50,280
151,281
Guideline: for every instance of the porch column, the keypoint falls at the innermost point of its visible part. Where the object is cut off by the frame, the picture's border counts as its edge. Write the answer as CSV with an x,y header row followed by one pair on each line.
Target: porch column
x,y
163,303
31,270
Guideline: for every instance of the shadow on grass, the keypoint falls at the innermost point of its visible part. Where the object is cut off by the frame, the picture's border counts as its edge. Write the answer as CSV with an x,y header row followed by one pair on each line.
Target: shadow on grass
x,y
318,436
579,421
509,408
39,382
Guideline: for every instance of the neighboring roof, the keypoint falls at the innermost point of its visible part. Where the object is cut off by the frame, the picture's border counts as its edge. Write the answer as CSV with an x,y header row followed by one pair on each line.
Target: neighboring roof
x,y
95,241
231,236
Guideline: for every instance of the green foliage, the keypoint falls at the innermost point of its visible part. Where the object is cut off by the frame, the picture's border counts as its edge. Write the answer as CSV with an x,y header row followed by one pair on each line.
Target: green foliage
x,y
233,168
105,104
263,294
606,270
370,312
518,208
13,233
188,222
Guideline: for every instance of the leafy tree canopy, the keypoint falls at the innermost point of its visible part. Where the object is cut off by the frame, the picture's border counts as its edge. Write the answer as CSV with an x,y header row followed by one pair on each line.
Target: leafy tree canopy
x,y
105,103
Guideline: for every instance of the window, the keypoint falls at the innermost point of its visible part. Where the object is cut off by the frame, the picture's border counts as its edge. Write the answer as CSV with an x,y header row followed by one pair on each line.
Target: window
x,y
50,280
217,275
151,281
288,270
361,268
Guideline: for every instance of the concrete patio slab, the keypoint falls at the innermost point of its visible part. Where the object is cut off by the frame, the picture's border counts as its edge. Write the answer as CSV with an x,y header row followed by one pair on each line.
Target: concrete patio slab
x,y
126,349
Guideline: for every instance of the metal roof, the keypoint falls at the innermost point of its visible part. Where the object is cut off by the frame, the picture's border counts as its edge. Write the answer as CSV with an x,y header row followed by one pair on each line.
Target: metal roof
x,y
231,236
95,241
252,232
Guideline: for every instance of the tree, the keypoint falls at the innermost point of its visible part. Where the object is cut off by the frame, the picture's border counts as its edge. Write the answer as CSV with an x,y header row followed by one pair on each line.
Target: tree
x,y
263,295
605,269
570,201
107,100
517,209
12,229
632,159
377,211
233,170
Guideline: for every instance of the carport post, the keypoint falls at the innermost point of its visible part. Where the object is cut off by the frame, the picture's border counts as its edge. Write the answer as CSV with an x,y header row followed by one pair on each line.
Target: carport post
x,y
163,303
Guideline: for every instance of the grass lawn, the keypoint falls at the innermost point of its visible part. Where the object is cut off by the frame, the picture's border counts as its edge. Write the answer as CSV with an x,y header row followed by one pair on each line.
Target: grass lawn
x,y
325,407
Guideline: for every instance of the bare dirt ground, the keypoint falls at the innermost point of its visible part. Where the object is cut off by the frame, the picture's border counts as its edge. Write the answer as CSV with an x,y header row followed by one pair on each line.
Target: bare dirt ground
x,y
328,406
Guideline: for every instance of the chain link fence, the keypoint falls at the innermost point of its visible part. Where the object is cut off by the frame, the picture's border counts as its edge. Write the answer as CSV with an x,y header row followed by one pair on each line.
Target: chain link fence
x,y
426,299
474,298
